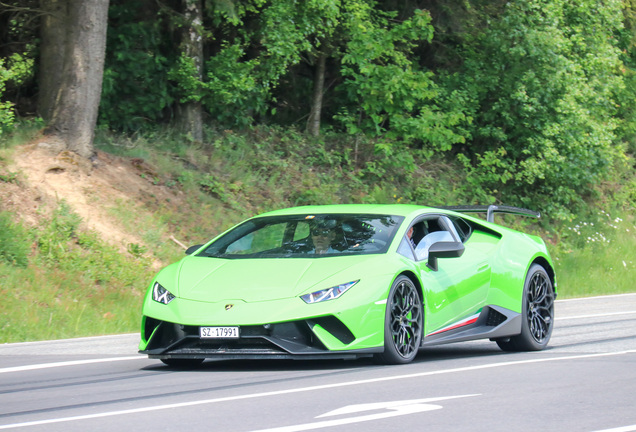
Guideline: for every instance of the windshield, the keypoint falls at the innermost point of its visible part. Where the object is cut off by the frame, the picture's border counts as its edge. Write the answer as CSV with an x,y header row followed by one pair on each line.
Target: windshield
x,y
306,236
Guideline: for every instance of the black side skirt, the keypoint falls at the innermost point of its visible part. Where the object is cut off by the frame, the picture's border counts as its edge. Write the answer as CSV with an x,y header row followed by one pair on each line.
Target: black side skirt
x,y
493,322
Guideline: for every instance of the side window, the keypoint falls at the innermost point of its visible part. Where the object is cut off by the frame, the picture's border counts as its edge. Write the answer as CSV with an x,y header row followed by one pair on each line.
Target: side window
x,y
405,249
413,236
421,235
448,226
420,229
436,229
426,232
464,230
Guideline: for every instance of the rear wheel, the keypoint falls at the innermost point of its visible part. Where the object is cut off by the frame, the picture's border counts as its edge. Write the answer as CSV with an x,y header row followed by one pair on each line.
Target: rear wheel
x,y
402,323
182,363
537,313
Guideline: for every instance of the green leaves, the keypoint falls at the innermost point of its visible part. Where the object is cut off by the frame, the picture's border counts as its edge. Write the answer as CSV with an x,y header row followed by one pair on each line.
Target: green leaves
x,y
533,96
233,89
544,78
136,91
395,97
14,71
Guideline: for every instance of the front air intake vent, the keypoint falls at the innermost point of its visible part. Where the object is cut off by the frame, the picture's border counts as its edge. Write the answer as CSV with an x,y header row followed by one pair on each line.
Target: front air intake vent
x,y
334,326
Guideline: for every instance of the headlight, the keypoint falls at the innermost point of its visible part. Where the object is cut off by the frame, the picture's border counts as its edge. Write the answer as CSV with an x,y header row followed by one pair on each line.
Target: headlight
x,y
328,294
161,295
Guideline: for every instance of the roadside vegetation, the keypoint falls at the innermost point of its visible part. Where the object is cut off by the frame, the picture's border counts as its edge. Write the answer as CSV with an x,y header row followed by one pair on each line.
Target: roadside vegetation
x,y
597,256
59,280
207,112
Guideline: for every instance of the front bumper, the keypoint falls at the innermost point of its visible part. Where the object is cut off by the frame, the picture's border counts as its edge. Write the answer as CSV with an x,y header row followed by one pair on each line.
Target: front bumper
x,y
285,340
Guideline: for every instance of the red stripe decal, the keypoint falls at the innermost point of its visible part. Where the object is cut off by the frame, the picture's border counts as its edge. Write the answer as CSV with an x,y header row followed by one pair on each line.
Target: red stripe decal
x,y
456,326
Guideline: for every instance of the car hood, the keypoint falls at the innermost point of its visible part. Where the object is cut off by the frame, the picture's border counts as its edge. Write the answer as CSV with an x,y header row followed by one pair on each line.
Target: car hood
x,y
251,280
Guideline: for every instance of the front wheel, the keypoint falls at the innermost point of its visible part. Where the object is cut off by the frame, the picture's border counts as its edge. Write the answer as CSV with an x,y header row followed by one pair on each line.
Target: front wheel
x,y
402,323
537,313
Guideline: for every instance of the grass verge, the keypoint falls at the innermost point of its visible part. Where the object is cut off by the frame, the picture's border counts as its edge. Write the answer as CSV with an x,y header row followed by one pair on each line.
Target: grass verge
x,y
597,257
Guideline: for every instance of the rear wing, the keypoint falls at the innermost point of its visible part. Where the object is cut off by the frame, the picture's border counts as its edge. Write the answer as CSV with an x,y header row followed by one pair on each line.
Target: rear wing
x,y
490,210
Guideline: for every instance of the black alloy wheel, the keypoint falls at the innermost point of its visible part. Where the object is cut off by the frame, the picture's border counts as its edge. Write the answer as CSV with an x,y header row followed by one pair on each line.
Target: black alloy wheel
x,y
537,313
403,323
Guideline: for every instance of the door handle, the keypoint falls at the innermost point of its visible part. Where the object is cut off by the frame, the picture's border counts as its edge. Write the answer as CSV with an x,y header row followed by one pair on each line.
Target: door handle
x,y
482,267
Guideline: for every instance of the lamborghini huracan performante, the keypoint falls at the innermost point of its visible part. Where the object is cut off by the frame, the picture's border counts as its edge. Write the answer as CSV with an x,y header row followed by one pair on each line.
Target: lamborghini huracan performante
x,y
351,281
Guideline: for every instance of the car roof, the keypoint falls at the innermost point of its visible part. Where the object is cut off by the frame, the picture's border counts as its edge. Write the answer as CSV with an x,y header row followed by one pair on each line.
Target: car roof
x,y
405,210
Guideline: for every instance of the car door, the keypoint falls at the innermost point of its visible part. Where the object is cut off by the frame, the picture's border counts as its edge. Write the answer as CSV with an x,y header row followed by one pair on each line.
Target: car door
x,y
458,288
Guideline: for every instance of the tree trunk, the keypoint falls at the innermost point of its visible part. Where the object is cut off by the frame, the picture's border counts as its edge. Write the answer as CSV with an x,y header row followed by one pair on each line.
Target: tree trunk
x,y
313,123
53,33
76,103
191,112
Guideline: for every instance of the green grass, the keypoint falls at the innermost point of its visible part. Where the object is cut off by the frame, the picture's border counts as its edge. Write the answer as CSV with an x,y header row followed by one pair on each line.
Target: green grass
x,y
44,303
597,257
74,284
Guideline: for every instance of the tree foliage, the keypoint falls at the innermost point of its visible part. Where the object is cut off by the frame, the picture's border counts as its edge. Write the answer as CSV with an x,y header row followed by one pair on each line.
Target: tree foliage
x,y
536,99
17,52
542,81
387,91
136,91
6,108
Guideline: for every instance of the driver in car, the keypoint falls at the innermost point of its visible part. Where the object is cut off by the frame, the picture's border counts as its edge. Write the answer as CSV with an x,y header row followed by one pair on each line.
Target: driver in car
x,y
322,236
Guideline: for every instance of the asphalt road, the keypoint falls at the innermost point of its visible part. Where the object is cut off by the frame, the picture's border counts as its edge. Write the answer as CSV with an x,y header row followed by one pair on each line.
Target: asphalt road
x,y
585,382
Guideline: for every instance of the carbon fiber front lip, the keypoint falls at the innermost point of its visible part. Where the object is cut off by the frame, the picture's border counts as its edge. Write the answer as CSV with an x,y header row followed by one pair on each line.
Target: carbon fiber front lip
x,y
260,353
251,348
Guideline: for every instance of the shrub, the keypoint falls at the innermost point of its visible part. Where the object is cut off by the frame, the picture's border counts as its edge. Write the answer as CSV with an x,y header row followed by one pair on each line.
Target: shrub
x,y
543,79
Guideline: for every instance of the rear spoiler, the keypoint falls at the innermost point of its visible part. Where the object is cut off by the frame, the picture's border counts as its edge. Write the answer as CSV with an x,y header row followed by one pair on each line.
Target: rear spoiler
x,y
490,210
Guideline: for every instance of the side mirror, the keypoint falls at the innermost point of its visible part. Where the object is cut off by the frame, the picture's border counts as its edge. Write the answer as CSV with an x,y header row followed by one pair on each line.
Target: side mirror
x,y
192,249
443,250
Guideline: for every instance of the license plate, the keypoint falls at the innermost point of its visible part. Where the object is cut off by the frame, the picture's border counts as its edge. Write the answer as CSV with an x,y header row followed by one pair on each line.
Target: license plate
x,y
219,332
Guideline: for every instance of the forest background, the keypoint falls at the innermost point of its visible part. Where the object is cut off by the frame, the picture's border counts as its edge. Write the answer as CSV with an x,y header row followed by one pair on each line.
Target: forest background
x,y
228,108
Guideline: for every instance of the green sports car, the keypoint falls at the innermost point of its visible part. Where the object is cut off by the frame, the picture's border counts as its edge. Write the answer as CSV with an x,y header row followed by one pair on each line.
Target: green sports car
x,y
350,281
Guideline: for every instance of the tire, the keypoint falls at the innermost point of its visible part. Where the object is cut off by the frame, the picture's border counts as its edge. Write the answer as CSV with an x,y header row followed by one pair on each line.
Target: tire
x,y
403,321
537,313
182,363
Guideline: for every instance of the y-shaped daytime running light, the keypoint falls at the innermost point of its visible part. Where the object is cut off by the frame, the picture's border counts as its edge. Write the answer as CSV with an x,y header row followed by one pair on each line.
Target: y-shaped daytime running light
x,y
161,295
328,294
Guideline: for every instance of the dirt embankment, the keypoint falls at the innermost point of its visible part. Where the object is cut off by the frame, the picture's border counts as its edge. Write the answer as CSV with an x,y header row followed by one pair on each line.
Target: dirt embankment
x,y
47,174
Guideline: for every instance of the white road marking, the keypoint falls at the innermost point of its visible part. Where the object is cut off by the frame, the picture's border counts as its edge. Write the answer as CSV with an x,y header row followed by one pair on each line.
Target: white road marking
x,y
396,408
77,339
557,318
305,389
374,406
621,429
595,298
66,363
